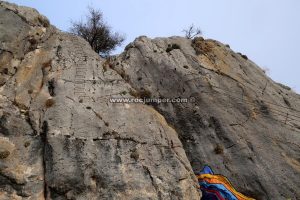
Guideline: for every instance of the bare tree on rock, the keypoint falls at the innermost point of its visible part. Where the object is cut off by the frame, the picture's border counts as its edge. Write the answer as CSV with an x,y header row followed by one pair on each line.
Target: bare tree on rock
x,y
97,33
192,32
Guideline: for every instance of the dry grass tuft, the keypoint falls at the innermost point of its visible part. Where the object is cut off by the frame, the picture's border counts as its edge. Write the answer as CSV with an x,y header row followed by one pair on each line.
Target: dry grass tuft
x,y
49,103
219,149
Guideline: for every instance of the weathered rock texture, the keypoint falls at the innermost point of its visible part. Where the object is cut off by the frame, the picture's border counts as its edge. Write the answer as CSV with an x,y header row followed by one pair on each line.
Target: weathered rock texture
x,y
240,122
61,138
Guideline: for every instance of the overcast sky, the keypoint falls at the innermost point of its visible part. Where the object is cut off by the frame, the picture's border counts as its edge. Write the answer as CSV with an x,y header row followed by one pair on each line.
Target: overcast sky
x,y
267,31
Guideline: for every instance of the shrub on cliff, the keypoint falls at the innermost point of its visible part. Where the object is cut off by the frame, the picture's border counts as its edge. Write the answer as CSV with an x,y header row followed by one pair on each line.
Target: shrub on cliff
x,y
191,32
97,32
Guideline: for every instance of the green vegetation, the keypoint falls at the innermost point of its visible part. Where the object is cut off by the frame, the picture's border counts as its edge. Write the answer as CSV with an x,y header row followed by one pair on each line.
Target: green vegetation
x,y
172,47
4,154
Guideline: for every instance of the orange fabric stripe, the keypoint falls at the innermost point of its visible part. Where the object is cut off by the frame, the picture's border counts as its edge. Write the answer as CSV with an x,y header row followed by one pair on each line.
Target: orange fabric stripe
x,y
219,179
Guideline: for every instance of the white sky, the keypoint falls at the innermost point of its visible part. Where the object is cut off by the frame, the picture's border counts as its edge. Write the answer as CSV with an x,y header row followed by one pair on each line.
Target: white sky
x,y
267,31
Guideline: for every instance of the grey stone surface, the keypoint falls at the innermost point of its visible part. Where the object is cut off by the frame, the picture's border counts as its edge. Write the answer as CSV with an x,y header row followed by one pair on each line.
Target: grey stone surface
x,y
240,122
60,136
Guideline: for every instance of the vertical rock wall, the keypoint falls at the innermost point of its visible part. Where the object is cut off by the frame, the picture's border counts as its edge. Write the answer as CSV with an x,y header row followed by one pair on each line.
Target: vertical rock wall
x,y
237,120
60,136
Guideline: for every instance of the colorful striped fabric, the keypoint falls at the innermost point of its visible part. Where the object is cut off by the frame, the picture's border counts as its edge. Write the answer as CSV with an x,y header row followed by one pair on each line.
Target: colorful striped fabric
x,y
217,187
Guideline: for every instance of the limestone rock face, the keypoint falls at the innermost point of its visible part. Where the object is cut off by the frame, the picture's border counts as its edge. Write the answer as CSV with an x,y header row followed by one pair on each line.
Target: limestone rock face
x,y
237,120
61,138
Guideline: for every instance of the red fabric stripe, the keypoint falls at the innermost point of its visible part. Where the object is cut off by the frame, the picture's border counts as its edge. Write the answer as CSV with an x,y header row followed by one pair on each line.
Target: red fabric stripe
x,y
215,192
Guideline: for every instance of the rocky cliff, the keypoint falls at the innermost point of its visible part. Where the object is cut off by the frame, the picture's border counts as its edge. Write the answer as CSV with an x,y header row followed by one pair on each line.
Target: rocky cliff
x,y
61,137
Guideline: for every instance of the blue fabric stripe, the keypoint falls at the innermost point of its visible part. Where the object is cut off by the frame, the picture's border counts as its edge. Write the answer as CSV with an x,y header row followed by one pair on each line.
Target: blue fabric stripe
x,y
218,187
206,170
